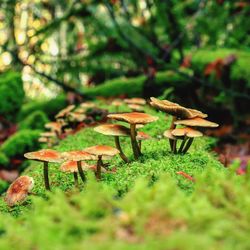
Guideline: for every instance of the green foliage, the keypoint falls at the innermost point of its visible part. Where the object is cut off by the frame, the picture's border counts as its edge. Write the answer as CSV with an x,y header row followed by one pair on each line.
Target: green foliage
x,y
158,216
21,142
3,159
3,186
51,107
134,86
35,120
11,94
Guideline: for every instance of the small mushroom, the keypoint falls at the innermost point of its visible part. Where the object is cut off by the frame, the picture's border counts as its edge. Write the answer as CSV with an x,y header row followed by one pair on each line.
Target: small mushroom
x,y
64,112
116,131
100,151
76,117
186,134
88,105
135,100
78,156
19,190
55,127
136,107
172,139
117,103
142,136
133,119
45,156
72,167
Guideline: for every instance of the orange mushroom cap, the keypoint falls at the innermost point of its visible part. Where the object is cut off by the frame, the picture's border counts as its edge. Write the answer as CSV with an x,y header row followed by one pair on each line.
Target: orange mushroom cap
x,y
77,155
102,150
64,112
134,118
71,166
196,122
18,190
189,132
113,129
47,155
135,100
142,136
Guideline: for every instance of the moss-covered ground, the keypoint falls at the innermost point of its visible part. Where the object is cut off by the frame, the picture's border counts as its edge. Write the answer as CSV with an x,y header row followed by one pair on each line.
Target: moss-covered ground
x,y
143,205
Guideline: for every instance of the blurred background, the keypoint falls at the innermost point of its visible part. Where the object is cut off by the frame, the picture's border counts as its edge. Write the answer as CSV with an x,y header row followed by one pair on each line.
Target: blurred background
x,y
59,52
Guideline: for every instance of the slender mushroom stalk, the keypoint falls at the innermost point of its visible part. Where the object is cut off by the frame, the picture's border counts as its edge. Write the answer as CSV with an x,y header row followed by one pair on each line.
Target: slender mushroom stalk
x,y
172,142
46,175
134,144
80,171
182,144
188,145
99,167
76,179
118,146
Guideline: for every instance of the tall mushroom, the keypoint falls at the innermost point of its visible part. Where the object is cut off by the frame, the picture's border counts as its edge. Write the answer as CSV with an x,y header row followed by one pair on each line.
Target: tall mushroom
x,y
101,151
78,156
72,167
177,111
133,119
45,156
19,190
117,131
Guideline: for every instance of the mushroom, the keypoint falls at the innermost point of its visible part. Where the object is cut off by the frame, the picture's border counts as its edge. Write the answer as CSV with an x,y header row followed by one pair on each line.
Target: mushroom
x,y
117,103
78,156
141,136
19,190
45,156
48,137
133,119
135,100
197,122
177,111
100,151
136,107
87,105
186,133
116,131
72,167
64,112
55,127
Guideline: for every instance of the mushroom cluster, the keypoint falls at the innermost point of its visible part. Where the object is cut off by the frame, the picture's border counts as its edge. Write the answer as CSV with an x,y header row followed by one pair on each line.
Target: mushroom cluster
x,y
191,118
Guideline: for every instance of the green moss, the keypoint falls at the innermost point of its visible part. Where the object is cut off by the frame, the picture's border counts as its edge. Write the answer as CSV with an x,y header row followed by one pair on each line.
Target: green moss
x,y
11,95
35,120
51,107
21,142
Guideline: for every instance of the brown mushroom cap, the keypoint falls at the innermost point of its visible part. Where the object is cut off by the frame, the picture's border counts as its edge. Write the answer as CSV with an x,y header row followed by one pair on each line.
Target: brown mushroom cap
x,y
43,139
175,109
134,118
196,122
142,136
47,155
77,155
135,107
54,126
135,100
48,134
18,190
71,166
65,111
76,117
113,129
168,134
87,105
116,103
189,132
102,150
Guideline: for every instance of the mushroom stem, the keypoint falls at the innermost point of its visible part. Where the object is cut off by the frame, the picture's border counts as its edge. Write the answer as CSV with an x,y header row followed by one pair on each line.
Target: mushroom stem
x,y
46,175
174,146
80,171
98,167
182,144
171,141
188,144
134,144
118,146
139,145
75,179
